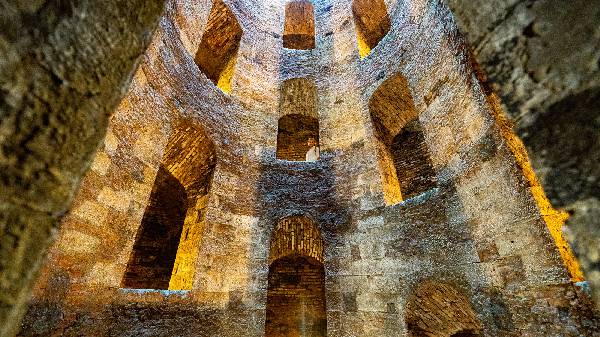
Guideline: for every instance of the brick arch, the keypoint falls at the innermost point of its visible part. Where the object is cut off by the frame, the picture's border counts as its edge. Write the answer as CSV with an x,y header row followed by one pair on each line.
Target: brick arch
x,y
296,289
296,235
299,28
438,309
406,167
167,242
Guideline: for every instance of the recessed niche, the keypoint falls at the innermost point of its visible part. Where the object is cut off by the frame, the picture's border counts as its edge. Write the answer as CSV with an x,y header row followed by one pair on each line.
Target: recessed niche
x,y
299,29
372,24
217,53
406,166
298,126
166,245
296,282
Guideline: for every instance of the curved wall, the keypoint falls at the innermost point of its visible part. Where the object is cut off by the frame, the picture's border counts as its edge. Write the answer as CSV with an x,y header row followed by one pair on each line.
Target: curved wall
x,y
478,229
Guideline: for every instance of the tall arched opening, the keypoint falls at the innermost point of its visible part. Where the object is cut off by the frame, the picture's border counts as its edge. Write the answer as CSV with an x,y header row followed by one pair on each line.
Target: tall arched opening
x,y
296,290
299,28
406,166
298,126
167,243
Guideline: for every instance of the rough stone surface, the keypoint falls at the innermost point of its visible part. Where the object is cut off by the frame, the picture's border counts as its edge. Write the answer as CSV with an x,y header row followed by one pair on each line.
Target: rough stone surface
x,y
64,65
299,28
543,59
478,229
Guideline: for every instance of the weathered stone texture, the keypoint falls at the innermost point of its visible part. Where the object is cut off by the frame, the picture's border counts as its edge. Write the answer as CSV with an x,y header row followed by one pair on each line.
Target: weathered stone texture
x,y
64,66
542,57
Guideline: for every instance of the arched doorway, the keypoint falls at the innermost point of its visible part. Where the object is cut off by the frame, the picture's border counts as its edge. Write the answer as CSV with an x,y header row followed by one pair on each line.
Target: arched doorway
x,y
296,290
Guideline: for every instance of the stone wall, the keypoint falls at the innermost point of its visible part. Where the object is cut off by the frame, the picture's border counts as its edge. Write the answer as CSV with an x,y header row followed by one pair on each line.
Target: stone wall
x,y
542,58
480,228
64,66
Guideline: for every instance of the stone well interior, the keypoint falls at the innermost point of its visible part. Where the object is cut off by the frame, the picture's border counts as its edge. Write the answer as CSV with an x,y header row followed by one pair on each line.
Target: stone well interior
x,y
309,168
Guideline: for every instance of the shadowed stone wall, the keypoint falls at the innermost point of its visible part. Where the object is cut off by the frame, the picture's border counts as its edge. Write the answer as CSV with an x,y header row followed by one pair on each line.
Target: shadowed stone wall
x,y
64,66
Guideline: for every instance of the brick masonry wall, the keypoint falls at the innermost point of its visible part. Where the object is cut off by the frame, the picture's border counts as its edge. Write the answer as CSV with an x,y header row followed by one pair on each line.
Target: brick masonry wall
x,y
296,298
296,235
479,229
299,28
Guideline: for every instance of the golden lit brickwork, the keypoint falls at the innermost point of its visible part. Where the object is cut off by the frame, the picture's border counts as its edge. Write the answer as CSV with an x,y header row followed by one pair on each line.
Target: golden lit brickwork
x,y
372,24
299,28
166,248
217,53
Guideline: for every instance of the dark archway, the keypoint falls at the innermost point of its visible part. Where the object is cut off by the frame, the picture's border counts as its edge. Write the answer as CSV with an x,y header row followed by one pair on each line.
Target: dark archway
x,y
296,290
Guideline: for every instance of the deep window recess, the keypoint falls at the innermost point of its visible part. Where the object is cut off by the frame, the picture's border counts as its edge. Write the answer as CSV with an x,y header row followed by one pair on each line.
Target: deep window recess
x,y
299,29
217,53
298,127
166,245
406,166
372,23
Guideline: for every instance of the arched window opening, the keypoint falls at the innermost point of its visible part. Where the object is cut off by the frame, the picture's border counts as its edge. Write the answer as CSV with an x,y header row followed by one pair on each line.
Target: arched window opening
x,y
299,28
372,24
166,245
296,290
217,53
298,127
406,166
438,309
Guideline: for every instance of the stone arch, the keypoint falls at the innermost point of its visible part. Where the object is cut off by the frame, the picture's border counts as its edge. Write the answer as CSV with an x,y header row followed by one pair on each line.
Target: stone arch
x,y
299,28
406,166
372,24
296,289
166,245
217,53
437,309
299,120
